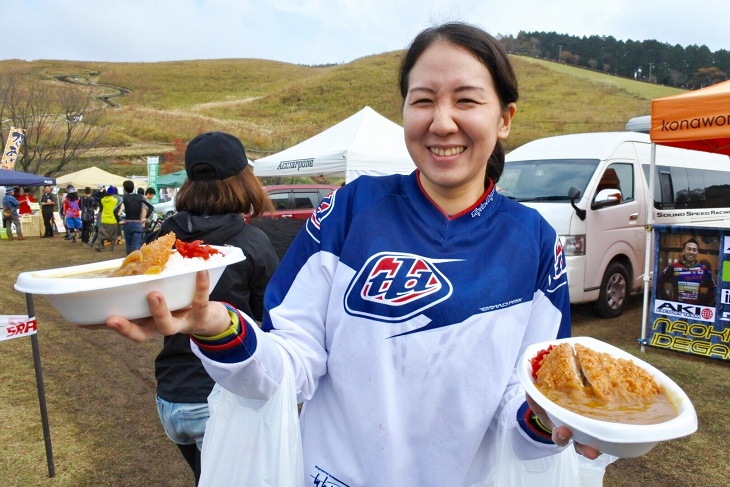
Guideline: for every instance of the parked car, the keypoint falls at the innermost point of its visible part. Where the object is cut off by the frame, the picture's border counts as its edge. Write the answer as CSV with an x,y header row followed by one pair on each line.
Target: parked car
x,y
165,209
297,201
593,188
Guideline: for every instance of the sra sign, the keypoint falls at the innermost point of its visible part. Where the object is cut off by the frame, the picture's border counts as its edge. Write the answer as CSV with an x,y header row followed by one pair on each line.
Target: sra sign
x,y
15,326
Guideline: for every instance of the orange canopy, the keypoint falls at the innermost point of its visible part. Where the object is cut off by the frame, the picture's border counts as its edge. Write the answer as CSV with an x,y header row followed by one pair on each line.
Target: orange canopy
x,y
698,120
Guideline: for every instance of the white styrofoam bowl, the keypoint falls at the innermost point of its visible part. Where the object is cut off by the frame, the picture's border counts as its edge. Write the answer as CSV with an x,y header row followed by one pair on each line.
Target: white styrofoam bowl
x,y
90,301
617,439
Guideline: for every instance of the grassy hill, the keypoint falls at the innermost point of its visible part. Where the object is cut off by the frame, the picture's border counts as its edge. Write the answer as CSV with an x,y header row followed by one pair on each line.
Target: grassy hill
x,y
272,105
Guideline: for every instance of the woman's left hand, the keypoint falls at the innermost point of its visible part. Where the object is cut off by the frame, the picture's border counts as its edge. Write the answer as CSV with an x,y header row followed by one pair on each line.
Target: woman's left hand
x,y
561,434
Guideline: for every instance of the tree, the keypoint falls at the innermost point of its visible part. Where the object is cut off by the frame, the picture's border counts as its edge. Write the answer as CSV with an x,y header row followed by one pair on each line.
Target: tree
x,y
175,158
705,77
61,123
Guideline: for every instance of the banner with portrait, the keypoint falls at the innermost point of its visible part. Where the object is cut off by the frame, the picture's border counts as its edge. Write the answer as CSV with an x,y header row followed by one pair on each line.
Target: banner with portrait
x,y
690,308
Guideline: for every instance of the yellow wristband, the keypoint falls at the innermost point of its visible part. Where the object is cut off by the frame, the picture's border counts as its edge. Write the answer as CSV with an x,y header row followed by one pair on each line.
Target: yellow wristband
x,y
232,330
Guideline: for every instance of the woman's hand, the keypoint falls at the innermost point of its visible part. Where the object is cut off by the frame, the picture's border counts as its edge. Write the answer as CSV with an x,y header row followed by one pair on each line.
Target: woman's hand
x,y
561,434
203,317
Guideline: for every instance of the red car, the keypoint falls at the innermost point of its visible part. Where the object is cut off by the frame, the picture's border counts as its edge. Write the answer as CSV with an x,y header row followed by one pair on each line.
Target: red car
x,y
297,201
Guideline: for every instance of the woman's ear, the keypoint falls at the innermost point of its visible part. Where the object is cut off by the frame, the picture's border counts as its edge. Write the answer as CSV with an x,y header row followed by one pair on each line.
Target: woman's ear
x,y
506,120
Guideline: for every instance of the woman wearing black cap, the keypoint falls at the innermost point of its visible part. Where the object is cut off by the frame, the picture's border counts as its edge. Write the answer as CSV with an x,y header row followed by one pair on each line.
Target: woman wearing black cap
x,y
210,205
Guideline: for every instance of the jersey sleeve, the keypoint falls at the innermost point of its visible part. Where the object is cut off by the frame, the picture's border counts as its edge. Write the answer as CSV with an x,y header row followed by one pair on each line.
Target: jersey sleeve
x,y
294,320
549,319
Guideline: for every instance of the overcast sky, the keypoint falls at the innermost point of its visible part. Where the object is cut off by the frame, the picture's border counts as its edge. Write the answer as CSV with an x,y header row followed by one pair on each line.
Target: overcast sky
x,y
325,31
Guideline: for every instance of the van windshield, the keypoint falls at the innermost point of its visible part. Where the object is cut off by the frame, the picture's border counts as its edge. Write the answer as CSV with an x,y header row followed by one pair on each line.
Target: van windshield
x,y
545,180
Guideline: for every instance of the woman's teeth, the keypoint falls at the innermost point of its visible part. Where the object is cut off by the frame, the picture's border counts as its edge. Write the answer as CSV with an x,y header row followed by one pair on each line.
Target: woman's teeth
x,y
447,152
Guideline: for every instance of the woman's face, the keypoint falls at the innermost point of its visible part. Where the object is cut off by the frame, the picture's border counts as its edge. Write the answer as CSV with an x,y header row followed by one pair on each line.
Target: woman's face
x,y
452,119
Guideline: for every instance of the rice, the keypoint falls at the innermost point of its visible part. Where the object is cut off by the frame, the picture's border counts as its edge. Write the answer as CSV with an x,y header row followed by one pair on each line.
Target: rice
x,y
177,261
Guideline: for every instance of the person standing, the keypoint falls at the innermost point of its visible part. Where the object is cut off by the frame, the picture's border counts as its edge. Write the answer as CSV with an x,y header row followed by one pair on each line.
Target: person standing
x,y
108,224
72,213
88,214
220,189
99,193
25,199
134,208
398,305
48,206
152,221
10,214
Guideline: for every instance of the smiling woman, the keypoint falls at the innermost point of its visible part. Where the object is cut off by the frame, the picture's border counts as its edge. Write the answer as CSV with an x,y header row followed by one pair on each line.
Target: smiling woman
x,y
453,123
388,295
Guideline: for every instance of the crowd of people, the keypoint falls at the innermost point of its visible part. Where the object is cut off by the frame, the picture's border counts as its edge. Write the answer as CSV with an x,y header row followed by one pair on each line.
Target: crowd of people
x,y
99,218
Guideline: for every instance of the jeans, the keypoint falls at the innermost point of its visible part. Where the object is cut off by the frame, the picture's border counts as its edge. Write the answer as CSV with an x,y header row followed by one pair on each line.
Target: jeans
x,y
132,236
184,423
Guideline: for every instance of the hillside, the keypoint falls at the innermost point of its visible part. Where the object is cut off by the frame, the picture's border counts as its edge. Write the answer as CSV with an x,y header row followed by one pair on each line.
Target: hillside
x,y
272,105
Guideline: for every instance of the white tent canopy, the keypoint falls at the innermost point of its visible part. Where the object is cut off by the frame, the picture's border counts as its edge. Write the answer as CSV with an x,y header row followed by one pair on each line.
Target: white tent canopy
x,y
365,143
91,177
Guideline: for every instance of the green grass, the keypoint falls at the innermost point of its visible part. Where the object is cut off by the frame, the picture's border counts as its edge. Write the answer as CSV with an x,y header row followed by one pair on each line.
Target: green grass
x,y
272,105
642,89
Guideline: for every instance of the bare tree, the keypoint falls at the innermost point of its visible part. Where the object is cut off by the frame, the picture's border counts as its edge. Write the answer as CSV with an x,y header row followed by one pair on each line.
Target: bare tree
x,y
61,123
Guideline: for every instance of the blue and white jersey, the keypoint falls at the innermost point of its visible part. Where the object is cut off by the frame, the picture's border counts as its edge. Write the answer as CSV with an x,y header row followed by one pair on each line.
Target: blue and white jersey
x,y
404,326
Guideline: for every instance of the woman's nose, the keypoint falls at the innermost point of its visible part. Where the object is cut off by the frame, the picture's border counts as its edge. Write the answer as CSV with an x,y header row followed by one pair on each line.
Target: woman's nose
x,y
443,122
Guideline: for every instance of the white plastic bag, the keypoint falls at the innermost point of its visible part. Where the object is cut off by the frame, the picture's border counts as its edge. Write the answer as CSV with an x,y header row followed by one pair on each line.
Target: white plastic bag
x,y
253,443
567,468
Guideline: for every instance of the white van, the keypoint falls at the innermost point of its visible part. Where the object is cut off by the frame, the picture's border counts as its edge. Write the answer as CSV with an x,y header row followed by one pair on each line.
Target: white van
x,y
593,188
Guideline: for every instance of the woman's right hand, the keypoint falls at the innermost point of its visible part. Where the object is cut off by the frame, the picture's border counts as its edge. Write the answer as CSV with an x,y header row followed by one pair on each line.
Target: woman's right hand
x,y
203,317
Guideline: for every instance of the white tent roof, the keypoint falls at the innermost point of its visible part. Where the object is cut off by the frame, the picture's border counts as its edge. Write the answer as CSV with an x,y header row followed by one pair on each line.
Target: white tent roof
x,y
91,177
365,143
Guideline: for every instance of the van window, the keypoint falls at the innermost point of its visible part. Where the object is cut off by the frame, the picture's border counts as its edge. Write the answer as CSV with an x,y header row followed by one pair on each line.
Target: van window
x,y
625,174
547,180
679,187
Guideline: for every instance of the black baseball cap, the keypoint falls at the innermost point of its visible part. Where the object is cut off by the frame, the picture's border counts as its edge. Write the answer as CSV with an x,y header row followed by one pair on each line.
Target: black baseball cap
x,y
214,156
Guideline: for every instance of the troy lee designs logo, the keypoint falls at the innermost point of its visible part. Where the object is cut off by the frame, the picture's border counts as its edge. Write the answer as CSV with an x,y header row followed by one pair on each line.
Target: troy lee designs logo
x,y
560,266
394,286
323,211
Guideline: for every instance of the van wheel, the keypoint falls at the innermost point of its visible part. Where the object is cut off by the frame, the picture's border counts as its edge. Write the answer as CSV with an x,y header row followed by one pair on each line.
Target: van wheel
x,y
614,294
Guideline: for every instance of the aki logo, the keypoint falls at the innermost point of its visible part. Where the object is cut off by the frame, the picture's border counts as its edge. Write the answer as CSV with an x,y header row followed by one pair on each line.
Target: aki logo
x,y
685,310
393,286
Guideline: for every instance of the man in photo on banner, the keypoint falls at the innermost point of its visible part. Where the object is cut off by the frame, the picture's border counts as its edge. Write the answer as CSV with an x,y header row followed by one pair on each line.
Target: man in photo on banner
x,y
688,280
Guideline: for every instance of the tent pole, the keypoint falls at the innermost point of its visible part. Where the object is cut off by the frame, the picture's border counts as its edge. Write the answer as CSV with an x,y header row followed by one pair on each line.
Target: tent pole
x,y
41,391
648,246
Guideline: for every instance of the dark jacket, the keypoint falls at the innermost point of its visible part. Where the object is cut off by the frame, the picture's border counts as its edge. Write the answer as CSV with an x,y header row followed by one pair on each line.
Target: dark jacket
x,y
180,374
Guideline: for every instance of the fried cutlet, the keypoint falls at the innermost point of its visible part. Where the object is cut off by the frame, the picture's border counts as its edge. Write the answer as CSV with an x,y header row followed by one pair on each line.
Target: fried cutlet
x,y
613,378
559,371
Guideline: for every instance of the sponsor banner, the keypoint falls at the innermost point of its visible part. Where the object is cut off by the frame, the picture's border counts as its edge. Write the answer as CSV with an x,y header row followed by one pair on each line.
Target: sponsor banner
x,y
16,326
152,169
690,308
296,164
12,148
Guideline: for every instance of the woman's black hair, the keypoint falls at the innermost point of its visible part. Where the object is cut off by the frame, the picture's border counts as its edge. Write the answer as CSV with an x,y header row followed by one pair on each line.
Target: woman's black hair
x,y
488,50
